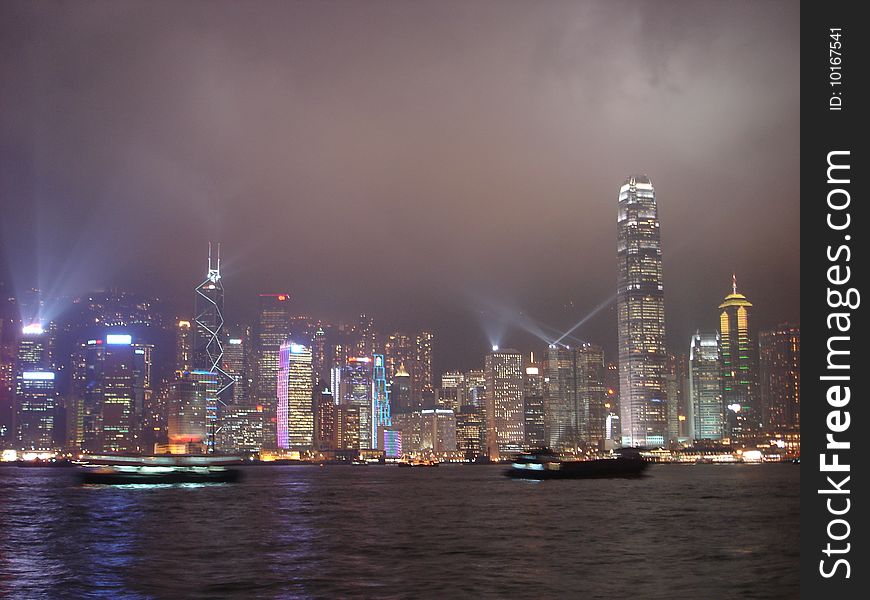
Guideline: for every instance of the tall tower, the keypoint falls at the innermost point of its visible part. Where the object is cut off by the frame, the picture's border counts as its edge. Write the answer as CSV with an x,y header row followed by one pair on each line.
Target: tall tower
x,y
295,397
705,388
380,399
271,330
780,377
504,402
640,307
208,350
36,397
739,363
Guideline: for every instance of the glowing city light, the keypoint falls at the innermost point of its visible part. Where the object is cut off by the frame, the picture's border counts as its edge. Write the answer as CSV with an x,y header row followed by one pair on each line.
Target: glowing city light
x,y
33,329
119,339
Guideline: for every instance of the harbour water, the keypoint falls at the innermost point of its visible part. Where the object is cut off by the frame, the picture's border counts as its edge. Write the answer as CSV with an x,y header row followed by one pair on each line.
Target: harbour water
x,y
702,531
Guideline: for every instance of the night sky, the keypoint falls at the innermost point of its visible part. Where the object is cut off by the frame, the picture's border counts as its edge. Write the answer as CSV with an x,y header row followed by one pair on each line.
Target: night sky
x,y
452,165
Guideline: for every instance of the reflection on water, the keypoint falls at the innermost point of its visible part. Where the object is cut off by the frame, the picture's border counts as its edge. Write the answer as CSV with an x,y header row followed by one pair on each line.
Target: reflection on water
x,y
385,532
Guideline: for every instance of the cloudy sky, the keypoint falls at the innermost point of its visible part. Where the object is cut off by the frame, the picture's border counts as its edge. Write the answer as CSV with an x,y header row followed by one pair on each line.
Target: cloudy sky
x,y
453,165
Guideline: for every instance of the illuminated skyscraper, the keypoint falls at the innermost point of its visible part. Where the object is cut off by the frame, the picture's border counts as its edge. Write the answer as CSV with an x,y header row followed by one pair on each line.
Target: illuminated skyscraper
x,y
183,346
560,382
272,329
186,418
325,437
212,385
641,316
400,390
36,398
780,377
739,364
504,402
356,390
242,429
320,355
380,399
705,388
415,353
425,341
592,412
208,341
235,364
533,407
450,394
295,397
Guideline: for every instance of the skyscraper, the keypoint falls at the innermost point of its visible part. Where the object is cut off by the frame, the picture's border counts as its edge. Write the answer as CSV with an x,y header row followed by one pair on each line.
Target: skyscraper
x,y
235,364
36,398
324,419
400,390
186,418
380,399
295,397
641,316
560,397
739,364
356,390
533,407
272,329
706,416
183,346
780,377
504,402
592,413
209,334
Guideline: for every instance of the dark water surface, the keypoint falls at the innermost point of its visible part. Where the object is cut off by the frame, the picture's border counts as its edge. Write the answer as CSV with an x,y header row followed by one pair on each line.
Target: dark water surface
x,y
705,531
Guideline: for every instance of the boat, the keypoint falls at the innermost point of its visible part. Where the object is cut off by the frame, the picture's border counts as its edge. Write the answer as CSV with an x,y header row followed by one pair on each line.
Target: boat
x,y
544,464
157,469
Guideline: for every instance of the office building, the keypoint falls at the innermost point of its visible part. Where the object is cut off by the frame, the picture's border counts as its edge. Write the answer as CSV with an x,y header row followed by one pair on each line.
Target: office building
x,y
780,377
739,354
295,397
504,402
640,316
707,416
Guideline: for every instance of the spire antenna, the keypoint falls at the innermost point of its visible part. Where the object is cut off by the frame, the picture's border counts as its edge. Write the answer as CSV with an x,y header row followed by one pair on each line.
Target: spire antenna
x,y
734,282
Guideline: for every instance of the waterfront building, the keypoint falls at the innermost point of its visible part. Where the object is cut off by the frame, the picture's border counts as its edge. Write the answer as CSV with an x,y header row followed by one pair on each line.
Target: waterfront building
x,y
295,397
186,412
36,395
325,414
356,389
707,417
183,345
739,364
380,399
561,397
209,334
592,412
235,364
533,407
242,429
271,330
780,377
640,316
400,391
504,402
470,432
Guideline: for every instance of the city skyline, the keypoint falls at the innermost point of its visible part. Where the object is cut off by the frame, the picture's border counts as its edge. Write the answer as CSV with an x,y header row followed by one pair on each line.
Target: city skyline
x,y
455,241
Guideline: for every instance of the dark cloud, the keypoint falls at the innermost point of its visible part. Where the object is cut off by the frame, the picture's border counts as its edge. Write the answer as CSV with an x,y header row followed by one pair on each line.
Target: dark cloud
x,y
441,163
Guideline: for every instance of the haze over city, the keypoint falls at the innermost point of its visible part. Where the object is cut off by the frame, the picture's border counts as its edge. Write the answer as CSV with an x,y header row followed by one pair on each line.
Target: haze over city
x,y
445,165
